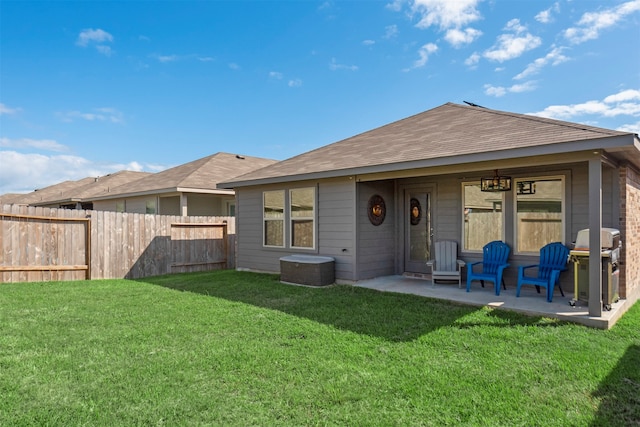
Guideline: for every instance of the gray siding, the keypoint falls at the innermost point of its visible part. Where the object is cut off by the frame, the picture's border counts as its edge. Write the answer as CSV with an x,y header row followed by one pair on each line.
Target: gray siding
x,y
334,227
377,249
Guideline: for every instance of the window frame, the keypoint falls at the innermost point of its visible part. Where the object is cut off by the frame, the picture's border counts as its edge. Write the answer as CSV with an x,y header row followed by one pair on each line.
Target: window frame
x,y
463,239
291,218
563,209
282,220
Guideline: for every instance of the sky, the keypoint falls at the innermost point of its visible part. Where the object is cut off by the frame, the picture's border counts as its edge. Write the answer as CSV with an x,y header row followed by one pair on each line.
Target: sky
x,y
94,87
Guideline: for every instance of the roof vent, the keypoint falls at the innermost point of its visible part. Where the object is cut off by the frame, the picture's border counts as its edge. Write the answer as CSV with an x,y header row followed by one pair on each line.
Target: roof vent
x,y
238,156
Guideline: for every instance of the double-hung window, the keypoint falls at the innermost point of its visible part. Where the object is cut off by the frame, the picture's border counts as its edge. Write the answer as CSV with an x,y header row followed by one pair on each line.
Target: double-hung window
x,y
273,218
297,208
482,216
539,212
302,215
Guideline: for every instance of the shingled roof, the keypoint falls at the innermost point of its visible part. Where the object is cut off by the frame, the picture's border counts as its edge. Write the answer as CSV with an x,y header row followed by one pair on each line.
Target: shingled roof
x,y
199,175
452,132
76,191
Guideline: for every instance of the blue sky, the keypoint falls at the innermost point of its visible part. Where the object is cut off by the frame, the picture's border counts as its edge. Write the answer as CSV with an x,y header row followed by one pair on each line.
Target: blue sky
x,y
90,88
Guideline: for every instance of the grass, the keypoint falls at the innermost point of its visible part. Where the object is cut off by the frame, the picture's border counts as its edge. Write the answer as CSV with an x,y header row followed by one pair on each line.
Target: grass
x,y
236,348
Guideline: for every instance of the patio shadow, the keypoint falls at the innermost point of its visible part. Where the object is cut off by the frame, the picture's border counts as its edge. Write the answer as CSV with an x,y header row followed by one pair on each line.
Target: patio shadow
x,y
392,316
620,392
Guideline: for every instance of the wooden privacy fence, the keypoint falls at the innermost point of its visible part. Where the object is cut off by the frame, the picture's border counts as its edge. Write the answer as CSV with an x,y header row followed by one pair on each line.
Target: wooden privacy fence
x,y
43,244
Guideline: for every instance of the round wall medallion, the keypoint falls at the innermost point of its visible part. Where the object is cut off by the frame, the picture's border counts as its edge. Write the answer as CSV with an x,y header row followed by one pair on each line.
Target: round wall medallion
x,y
376,209
416,212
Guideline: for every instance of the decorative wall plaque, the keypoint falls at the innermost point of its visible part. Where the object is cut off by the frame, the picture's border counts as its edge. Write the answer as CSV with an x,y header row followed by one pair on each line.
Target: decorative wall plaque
x,y
376,209
416,212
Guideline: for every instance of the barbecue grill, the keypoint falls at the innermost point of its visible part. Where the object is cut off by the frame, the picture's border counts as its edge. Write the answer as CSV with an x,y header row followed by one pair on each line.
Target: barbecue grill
x,y
610,253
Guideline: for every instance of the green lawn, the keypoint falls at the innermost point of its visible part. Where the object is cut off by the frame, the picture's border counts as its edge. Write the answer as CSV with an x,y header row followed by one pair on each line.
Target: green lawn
x,y
240,349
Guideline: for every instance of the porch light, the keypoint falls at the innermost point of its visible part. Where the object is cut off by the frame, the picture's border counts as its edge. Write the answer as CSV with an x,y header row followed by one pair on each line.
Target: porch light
x,y
495,183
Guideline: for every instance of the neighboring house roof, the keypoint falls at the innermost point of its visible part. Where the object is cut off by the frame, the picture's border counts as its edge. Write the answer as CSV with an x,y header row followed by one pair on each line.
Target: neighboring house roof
x,y
200,176
77,191
10,198
445,135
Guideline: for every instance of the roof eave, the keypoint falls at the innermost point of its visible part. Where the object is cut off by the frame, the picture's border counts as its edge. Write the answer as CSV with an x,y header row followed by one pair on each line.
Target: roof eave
x,y
607,143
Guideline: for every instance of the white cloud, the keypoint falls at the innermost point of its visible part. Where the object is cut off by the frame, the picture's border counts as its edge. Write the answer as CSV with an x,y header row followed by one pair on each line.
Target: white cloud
x,y
166,58
424,52
554,58
368,42
333,66
275,75
390,31
446,13
631,127
496,91
89,36
234,66
545,16
499,91
625,103
625,95
592,23
98,114
295,83
513,44
457,37
206,58
42,144
449,16
25,172
7,110
96,38
472,60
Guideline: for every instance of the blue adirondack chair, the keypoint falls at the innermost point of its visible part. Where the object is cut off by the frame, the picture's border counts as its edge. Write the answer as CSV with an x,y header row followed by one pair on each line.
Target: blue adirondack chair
x,y
553,260
494,260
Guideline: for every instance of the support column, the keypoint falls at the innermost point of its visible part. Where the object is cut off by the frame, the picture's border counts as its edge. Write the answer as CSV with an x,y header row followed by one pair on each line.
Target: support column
x,y
183,204
595,244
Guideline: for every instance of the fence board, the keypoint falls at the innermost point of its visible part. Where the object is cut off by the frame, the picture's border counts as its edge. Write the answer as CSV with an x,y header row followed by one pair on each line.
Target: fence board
x,y
42,244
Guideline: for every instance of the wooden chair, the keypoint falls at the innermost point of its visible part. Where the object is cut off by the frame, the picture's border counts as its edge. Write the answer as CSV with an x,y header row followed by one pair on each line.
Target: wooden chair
x,y
553,260
494,260
446,265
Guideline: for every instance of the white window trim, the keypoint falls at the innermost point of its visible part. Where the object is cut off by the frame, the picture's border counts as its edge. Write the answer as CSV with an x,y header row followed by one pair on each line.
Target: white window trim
x,y
563,211
312,218
462,227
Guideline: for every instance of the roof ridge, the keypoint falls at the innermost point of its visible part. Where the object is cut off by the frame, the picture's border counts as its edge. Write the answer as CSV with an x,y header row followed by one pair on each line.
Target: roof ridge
x,y
539,119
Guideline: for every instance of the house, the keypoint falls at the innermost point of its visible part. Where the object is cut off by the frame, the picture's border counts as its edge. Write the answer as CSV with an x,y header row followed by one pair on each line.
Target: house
x,y
188,189
74,194
377,201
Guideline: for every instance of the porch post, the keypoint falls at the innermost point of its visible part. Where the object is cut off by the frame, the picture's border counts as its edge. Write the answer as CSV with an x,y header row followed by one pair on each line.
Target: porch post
x,y
595,244
183,204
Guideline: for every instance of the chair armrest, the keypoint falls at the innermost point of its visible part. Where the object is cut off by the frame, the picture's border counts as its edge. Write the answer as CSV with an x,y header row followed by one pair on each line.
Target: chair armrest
x,y
431,262
524,267
461,263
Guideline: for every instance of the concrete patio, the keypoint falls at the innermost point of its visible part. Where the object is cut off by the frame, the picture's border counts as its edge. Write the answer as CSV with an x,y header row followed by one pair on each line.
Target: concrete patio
x,y
529,302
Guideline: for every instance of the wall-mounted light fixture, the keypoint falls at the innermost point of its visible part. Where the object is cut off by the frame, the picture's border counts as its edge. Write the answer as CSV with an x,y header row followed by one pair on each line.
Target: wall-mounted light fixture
x,y
495,183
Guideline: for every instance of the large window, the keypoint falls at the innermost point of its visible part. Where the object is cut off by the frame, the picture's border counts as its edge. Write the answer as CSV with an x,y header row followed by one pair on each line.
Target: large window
x,y
482,216
273,218
296,208
301,204
539,212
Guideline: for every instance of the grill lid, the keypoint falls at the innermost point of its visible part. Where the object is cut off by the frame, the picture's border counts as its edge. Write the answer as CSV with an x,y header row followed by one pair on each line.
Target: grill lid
x,y
609,239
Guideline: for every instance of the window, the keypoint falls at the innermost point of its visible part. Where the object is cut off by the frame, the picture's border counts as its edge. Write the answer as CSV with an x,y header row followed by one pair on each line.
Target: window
x,y
482,216
301,208
151,207
539,212
273,218
120,206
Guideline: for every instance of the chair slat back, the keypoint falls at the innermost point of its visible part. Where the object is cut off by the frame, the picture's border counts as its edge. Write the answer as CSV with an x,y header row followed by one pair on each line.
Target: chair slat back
x,y
494,254
446,254
553,256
